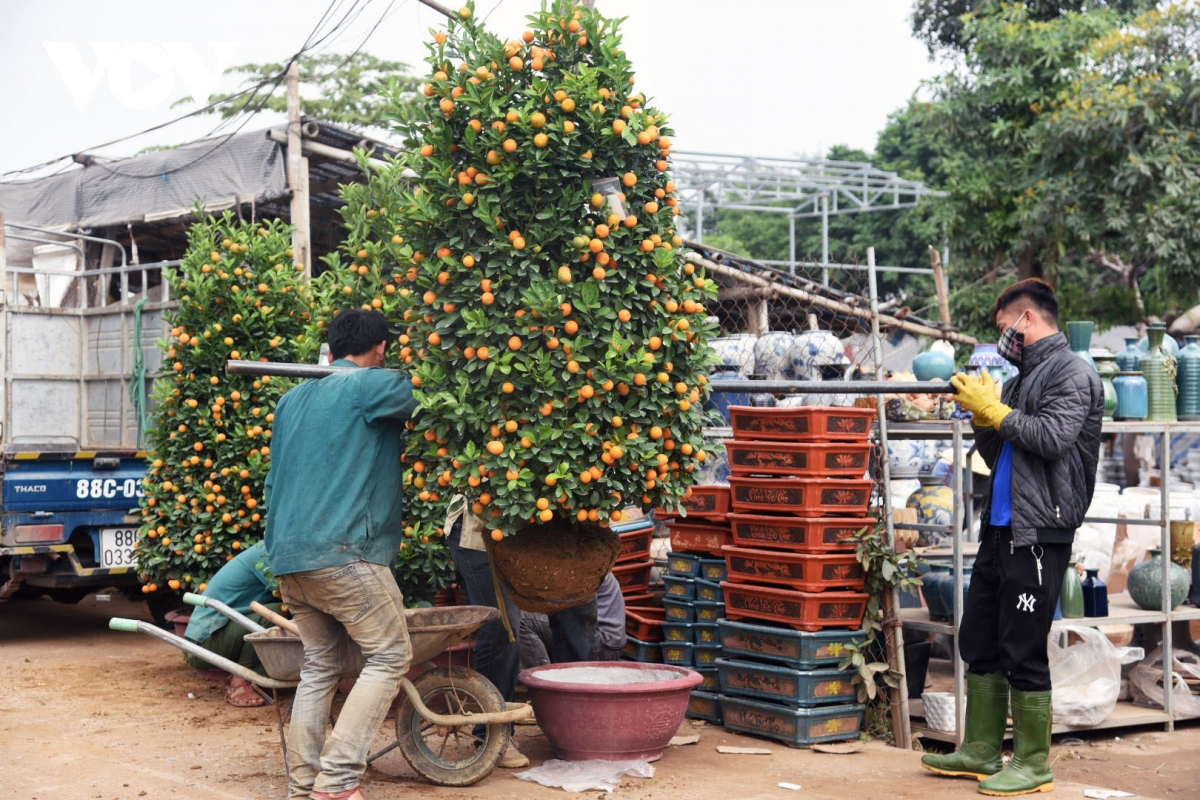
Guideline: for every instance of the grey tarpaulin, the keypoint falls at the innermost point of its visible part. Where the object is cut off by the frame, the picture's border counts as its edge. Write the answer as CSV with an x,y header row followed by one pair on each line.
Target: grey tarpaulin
x,y
220,171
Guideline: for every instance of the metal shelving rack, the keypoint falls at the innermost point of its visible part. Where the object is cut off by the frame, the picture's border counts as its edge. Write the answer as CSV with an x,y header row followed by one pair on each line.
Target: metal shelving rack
x,y
1121,607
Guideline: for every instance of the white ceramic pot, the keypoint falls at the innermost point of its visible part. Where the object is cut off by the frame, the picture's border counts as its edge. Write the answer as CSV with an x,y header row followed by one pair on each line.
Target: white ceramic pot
x,y
736,351
813,350
772,357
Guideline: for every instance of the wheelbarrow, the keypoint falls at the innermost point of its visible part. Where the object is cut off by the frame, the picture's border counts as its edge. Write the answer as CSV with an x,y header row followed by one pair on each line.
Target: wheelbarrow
x,y
452,724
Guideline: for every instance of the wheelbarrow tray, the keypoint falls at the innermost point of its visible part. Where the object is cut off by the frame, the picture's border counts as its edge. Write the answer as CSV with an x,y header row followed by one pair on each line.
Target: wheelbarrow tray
x,y
431,631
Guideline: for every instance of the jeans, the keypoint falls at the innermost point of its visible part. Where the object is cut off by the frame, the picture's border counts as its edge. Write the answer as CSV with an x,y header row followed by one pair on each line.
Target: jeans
x,y
497,658
330,606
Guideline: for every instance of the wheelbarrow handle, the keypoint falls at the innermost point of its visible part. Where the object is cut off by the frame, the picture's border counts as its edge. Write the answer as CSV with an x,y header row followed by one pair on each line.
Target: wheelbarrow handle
x,y
187,645
204,601
193,599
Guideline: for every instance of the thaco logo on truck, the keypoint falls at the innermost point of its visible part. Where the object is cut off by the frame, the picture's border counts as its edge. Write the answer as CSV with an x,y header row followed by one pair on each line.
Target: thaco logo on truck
x,y
97,488
38,489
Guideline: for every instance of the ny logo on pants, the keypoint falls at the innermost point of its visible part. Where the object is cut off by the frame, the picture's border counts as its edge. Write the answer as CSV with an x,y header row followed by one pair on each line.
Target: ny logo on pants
x,y
1025,602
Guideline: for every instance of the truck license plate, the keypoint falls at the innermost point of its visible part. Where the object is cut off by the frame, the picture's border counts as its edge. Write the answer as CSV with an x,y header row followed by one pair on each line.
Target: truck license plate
x,y
116,547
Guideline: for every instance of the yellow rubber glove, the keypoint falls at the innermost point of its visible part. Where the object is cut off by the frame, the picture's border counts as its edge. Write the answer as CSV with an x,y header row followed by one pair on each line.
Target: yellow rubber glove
x,y
979,396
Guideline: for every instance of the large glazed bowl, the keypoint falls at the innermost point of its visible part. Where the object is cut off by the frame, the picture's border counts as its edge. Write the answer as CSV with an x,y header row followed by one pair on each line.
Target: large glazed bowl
x,y
609,710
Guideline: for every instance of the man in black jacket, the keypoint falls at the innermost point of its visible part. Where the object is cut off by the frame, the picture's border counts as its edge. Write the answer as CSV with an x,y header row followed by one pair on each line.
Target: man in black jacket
x,y
1041,439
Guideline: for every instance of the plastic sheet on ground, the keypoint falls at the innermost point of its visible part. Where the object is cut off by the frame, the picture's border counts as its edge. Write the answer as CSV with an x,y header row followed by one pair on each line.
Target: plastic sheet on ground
x,y
583,776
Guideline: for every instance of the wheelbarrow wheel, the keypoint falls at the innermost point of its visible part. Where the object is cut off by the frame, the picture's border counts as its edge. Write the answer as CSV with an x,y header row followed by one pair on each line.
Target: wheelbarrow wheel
x,y
452,756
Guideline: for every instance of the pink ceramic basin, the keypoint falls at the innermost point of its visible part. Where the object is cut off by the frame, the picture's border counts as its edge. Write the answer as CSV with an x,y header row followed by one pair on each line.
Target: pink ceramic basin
x,y
611,710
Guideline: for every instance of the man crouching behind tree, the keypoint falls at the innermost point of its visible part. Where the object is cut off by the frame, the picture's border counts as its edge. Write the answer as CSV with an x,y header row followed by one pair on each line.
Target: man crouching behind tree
x,y
333,529
1041,440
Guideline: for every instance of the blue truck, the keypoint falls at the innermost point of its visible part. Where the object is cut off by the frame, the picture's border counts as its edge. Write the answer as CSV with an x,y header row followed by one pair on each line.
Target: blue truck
x,y
77,356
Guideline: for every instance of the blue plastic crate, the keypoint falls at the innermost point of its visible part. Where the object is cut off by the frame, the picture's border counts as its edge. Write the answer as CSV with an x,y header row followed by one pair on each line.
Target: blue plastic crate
x,y
637,650
706,655
794,687
679,610
683,565
706,633
677,653
794,648
713,569
678,632
708,612
709,591
798,727
706,706
678,588
712,679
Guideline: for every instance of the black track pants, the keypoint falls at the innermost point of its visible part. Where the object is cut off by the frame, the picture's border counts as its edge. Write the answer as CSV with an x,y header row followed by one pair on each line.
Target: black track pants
x,y
1009,609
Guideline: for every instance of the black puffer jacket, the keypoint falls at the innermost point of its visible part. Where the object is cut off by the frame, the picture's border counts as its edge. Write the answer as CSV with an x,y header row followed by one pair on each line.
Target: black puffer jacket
x,y
1057,407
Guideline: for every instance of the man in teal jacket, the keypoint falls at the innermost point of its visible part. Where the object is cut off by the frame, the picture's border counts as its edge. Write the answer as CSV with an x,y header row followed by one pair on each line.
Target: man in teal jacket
x,y
333,528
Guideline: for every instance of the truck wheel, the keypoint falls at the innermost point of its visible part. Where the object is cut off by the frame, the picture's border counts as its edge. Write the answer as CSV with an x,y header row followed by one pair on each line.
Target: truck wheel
x,y
459,756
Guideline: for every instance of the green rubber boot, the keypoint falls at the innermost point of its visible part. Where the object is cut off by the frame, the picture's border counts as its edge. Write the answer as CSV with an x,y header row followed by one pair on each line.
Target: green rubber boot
x,y
987,712
1029,770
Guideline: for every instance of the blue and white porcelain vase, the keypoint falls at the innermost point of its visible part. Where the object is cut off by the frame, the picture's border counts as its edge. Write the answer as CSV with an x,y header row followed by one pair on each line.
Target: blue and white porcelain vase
x,y
934,503
736,351
987,356
772,356
813,351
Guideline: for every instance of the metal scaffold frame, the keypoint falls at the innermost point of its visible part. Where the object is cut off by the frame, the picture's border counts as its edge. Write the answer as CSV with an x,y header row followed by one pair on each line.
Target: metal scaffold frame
x,y
801,188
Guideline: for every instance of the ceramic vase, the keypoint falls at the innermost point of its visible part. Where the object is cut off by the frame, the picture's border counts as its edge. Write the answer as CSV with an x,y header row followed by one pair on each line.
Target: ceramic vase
x,y
937,587
1182,536
1145,582
1187,405
1132,401
1106,366
1169,343
1080,335
1158,367
771,356
1195,593
736,351
1127,359
933,365
721,401
934,503
1071,597
1095,595
986,356
812,351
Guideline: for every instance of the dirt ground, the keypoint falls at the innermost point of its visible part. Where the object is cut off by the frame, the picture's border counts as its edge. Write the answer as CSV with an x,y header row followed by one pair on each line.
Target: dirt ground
x,y
86,712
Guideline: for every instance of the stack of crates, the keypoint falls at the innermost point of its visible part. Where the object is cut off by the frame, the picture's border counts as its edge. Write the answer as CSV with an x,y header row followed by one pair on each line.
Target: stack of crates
x,y
794,588
643,612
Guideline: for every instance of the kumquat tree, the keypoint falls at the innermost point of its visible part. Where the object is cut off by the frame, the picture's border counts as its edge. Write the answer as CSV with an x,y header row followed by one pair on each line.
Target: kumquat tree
x,y
241,297
557,336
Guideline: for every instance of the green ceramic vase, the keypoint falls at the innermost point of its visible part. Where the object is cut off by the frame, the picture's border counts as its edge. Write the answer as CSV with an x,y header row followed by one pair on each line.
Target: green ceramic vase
x,y
1107,367
1159,369
1071,598
1145,582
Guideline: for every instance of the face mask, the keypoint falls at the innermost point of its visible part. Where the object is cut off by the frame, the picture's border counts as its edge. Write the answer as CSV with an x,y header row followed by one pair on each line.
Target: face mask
x,y
1012,343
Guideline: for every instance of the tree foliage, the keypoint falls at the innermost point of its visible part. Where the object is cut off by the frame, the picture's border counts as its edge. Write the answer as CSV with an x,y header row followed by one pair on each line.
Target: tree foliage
x,y
559,345
357,90
239,296
940,24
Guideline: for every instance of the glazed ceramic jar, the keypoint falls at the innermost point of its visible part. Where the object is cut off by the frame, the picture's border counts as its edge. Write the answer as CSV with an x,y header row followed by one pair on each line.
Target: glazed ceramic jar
x,y
1145,582
1158,367
1080,335
772,358
934,503
1127,359
1106,366
736,351
986,356
1132,402
1187,405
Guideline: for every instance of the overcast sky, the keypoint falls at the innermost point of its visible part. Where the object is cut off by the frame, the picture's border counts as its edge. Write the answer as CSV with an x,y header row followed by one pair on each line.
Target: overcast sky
x,y
752,77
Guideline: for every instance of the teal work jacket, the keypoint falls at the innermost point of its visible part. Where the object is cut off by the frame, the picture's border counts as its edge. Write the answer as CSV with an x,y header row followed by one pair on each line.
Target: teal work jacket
x,y
333,492
237,584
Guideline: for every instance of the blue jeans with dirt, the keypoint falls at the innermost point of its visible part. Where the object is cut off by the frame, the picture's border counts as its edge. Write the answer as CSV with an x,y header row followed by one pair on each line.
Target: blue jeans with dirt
x,y
332,606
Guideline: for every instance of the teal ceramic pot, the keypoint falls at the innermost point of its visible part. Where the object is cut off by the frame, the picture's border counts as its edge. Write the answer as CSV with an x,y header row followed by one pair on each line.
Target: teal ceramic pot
x,y
1187,378
1106,366
1071,597
937,587
1132,402
1127,359
1145,582
1158,366
1080,335
1169,343
934,503
933,365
